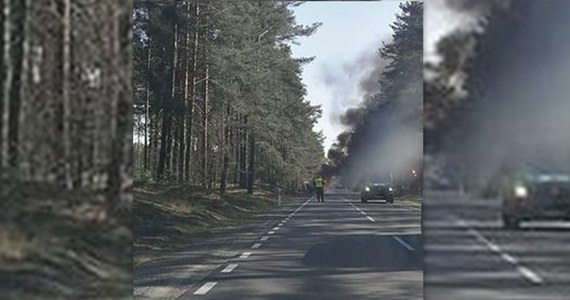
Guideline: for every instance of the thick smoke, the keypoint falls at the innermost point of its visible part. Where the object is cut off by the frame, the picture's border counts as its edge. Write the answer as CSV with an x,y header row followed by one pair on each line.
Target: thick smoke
x,y
518,92
353,83
477,8
352,117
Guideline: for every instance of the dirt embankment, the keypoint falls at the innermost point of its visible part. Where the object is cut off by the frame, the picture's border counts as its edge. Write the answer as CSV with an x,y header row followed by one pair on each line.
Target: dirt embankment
x,y
57,244
167,218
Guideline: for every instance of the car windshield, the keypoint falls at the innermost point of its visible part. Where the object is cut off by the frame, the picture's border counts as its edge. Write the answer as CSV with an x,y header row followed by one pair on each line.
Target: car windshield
x,y
378,183
544,167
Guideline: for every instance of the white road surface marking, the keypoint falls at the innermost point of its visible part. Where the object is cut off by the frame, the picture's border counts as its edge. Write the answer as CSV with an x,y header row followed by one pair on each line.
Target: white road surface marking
x,y
524,271
403,243
276,228
229,268
529,274
205,288
271,232
362,212
245,255
265,238
509,258
256,245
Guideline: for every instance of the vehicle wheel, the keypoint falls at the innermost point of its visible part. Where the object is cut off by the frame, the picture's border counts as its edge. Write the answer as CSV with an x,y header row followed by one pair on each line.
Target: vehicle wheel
x,y
510,222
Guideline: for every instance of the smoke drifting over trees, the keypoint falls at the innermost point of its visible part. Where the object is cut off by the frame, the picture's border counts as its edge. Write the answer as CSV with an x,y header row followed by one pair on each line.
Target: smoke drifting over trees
x,y
516,102
384,135
366,70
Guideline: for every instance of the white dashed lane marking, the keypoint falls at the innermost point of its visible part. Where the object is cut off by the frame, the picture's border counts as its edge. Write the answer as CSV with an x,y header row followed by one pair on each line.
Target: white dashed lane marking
x,y
524,271
229,268
360,211
204,289
403,243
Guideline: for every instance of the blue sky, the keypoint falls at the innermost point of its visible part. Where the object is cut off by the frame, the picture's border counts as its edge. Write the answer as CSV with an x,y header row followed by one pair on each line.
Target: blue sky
x,y
344,46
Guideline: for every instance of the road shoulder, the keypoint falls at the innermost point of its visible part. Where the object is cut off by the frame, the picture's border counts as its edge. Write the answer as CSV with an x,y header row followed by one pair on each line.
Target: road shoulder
x,y
174,273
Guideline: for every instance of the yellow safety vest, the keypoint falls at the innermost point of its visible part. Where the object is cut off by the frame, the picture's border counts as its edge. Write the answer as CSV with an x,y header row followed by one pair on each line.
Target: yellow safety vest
x,y
319,182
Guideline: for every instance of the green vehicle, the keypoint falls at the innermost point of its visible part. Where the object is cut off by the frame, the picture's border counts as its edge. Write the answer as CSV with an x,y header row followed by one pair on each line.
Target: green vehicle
x,y
377,190
535,192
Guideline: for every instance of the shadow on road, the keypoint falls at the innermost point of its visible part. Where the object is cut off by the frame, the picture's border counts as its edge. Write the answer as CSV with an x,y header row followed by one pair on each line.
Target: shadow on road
x,y
380,252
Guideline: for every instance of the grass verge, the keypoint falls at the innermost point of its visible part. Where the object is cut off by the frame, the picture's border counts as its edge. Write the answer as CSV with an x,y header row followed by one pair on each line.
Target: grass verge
x,y
167,218
411,201
57,244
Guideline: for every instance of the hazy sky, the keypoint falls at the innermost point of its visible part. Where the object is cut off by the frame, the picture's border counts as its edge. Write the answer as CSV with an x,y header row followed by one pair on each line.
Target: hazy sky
x,y
351,34
439,20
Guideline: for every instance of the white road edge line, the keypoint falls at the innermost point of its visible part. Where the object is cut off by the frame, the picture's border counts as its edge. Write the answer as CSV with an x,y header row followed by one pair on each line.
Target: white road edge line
x,y
256,245
292,214
362,212
529,274
204,289
245,255
524,271
229,268
403,243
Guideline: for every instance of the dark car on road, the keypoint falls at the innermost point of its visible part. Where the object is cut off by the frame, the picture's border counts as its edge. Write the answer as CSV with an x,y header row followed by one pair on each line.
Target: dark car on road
x,y
377,191
535,193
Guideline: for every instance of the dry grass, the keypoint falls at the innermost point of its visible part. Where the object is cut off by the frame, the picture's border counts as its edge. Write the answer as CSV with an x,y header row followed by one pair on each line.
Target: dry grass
x,y
412,201
56,244
167,218
14,245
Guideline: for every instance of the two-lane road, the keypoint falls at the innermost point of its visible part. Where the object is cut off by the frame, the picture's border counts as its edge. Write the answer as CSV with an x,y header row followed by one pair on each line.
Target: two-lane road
x,y
340,249
468,254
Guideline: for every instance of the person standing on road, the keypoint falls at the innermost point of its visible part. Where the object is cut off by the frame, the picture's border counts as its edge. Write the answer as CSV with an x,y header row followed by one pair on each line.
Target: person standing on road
x,y
319,186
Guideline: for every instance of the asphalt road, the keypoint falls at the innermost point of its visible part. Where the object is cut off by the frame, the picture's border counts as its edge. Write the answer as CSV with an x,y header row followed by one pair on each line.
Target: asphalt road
x,y
468,255
340,249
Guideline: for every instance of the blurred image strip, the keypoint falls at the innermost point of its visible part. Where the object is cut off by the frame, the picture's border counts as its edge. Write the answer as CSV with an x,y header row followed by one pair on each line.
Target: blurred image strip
x,y
497,150
65,149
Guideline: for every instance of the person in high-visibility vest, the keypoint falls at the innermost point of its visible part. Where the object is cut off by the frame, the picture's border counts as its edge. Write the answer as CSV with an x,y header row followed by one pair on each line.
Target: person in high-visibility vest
x,y
319,186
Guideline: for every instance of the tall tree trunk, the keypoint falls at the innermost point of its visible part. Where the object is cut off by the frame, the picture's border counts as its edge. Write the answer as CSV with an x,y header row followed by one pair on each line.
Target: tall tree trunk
x,y
205,142
226,151
7,81
172,146
15,93
146,114
114,165
66,100
166,138
243,156
183,120
251,167
23,61
192,98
